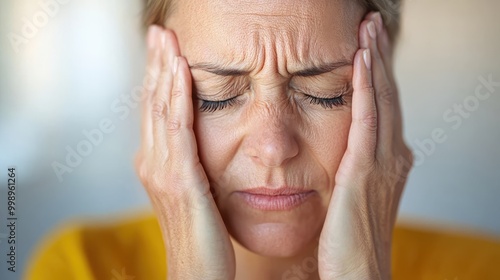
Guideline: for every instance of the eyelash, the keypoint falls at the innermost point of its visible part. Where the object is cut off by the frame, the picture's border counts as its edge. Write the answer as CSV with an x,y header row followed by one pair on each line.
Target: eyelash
x,y
326,103
212,106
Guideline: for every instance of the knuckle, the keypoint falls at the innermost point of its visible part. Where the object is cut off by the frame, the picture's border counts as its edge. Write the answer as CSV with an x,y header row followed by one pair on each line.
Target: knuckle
x,y
176,92
370,121
404,161
142,172
386,94
140,166
150,81
173,126
158,110
369,89
157,182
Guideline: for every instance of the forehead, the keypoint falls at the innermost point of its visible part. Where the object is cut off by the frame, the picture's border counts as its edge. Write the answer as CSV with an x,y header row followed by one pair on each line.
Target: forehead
x,y
240,32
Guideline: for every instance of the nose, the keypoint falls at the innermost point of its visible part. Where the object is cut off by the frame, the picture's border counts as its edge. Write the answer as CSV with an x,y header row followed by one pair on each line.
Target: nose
x,y
271,141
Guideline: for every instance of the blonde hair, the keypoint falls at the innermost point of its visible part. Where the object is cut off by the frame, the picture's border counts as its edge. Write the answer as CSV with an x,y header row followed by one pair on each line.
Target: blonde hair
x,y
157,12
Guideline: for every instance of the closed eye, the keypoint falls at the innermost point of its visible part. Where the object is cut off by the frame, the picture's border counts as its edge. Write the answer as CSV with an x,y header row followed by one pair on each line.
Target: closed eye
x,y
324,99
212,106
327,103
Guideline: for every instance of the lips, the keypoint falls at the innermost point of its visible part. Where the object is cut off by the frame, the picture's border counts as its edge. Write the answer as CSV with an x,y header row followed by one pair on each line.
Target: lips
x,y
270,199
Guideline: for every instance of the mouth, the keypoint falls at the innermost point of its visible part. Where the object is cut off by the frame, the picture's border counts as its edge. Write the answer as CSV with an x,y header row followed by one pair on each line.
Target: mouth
x,y
268,199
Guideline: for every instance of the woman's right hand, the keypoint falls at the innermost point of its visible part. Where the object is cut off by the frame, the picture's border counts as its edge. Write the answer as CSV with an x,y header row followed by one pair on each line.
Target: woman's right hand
x,y
196,240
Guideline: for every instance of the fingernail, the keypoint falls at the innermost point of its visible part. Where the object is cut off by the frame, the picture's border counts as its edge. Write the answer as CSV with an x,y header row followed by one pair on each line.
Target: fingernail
x,y
372,30
176,64
152,36
367,58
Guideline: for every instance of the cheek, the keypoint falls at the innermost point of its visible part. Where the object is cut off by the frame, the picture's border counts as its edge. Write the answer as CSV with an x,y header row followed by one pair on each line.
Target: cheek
x,y
218,142
330,142
217,145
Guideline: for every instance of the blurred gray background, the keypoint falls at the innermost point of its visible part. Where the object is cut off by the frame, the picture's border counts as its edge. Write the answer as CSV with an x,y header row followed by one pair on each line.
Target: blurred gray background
x,y
84,59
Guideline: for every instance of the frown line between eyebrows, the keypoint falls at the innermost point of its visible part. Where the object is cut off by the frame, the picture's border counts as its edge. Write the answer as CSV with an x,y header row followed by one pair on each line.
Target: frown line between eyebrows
x,y
307,72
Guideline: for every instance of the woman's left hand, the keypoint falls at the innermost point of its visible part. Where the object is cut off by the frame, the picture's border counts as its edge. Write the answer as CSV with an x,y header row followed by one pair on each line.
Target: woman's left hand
x,y
355,242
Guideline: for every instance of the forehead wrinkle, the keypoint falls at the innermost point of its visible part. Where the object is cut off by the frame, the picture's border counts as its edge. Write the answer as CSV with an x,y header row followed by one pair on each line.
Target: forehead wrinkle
x,y
301,50
268,17
278,48
291,20
278,38
300,42
289,8
290,47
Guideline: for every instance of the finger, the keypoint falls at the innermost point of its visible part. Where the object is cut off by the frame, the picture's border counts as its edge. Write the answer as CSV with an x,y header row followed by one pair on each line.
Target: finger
x,y
153,69
384,91
384,44
386,49
181,138
161,100
363,132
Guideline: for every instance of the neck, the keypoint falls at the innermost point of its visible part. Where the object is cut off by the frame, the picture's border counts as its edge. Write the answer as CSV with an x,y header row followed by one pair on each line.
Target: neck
x,y
253,266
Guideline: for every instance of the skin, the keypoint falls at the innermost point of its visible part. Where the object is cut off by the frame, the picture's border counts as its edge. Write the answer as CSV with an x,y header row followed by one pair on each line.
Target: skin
x,y
353,156
276,137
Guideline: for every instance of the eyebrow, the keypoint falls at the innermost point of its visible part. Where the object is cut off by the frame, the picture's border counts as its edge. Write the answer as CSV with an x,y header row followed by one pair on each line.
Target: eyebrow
x,y
311,71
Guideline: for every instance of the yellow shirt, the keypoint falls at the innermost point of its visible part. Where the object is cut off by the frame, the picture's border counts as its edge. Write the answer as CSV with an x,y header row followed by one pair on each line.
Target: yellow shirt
x,y
133,250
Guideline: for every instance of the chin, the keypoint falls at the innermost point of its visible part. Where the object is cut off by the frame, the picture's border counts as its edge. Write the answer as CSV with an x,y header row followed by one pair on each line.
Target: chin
x,y
280,234
274,239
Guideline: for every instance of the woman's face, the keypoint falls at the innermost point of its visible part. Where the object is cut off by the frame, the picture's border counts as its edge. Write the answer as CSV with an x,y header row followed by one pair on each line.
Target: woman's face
x,y
274,58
